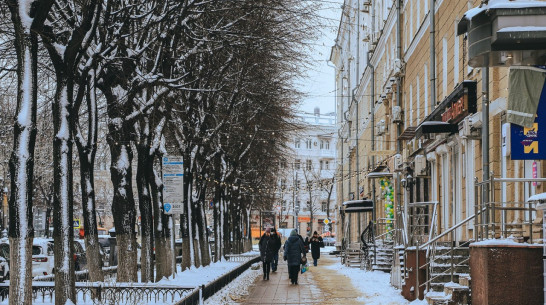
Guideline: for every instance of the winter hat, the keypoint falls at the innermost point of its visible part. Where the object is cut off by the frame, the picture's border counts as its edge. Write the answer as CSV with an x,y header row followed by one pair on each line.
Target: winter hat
x,y
268,230
273,230
315,233
293,233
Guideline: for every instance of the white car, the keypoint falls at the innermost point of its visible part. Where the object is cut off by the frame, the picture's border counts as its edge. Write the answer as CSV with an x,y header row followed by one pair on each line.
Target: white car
x,y
42,257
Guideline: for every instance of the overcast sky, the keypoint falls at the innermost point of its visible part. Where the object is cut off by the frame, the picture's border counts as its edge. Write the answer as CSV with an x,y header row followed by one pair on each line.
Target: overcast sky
x,y
318,83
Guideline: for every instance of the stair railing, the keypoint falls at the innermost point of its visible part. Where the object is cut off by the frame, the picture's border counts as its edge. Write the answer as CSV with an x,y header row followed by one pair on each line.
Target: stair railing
x,y
432,243
489,225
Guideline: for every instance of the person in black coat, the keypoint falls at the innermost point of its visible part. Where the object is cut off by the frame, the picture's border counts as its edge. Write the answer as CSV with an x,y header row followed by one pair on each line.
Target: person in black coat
x,y
293,252
316,243
276,244
266,252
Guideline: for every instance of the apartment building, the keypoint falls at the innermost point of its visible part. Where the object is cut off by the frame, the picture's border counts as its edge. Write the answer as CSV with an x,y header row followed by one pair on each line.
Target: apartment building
x,y
412,81
307,192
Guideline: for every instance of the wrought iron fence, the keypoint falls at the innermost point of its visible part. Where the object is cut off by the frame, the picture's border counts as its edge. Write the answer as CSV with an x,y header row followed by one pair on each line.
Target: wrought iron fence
x,y
43,287
110,293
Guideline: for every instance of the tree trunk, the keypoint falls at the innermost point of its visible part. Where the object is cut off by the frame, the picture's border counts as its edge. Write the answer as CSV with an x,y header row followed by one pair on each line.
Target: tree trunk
x,y
161,230
184,223
146,214
63,203
87,161
21,165
123,205
201,226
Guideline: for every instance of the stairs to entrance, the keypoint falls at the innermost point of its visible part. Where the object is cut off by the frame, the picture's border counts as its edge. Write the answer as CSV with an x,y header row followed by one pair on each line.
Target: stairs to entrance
x,y
444,290
384,250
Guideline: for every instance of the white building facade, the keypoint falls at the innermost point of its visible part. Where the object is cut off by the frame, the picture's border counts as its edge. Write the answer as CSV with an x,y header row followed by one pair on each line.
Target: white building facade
x,y
307,190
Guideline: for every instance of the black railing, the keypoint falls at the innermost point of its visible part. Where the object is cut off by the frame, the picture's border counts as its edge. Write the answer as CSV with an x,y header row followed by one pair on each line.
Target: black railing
x,y
43,287
206,291
110,293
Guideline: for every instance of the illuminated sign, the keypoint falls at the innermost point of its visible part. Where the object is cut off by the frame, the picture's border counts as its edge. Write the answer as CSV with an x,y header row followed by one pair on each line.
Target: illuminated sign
x,y
530,143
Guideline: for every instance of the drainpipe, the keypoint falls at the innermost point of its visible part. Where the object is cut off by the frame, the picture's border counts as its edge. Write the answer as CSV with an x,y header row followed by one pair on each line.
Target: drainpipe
x,y
399,104
432,54
357,184
372,110
485,140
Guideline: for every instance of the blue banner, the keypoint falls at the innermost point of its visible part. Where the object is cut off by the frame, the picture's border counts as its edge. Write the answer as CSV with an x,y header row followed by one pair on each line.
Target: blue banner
x,y
530,143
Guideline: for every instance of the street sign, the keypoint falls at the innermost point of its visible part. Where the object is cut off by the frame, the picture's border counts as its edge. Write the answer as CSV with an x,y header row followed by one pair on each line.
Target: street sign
x,y
76,223
326,221
173,185
326,228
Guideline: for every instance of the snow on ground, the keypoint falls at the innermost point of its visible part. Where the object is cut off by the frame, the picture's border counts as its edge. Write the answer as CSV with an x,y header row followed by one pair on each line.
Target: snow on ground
x,y
375,286
235,291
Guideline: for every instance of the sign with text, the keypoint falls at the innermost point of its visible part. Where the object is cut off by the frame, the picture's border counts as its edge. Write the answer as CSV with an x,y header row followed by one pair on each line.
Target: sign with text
x,y
530,143
173,185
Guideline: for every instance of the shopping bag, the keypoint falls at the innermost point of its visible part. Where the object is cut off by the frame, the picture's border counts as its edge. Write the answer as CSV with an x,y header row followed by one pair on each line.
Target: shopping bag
x,y
304,268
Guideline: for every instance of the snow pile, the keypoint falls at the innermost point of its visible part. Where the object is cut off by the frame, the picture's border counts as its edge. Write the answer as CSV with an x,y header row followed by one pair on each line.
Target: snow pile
x,y
235,291
375,286
194,277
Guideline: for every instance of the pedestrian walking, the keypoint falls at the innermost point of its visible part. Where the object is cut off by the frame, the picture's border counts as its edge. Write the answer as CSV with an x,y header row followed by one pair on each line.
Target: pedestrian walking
x,y
266,252
294,250
316,243
276,244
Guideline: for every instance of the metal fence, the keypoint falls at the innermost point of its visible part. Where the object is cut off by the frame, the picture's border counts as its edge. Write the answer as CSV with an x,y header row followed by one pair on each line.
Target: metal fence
x,y
206,291
43,287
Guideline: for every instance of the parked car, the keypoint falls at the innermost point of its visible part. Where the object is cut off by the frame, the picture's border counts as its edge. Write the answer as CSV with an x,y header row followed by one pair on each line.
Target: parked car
x,y
329,241
42,257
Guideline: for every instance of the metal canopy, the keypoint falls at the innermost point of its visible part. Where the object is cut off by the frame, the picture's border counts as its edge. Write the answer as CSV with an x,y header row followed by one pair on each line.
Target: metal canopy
x,y
358,206
505,34
435,127
376,175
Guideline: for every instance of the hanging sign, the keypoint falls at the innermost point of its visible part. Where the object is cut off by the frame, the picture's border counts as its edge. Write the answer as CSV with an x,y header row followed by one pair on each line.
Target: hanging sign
x,y
173,185
530,143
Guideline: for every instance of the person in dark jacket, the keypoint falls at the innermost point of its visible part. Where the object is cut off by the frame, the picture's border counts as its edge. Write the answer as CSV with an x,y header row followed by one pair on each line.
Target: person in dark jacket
x,y
276,244
293,252
266,252
316,243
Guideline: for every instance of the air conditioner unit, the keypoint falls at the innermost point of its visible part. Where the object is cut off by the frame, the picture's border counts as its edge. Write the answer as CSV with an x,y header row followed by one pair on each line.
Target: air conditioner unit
x,y
468,131
420,165
381,128
398,164
397,114
397,69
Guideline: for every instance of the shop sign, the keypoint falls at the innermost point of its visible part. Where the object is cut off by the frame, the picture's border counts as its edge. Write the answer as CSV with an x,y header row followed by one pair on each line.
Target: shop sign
x,y
530,143
456,111
304,219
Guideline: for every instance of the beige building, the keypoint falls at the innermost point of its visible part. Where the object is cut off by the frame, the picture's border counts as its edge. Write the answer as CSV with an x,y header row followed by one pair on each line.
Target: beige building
x,y
410,122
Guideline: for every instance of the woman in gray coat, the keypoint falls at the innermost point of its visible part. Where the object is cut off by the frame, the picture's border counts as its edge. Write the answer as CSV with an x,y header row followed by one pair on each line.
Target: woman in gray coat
x,y
293,252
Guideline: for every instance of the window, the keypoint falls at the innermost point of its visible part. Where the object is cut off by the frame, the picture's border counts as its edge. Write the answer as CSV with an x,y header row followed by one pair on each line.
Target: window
x,y
309,164
444,67
283,183
324,206
327,144
456,61
297,143
326,165
282,164
298,205
297,184
426,90
297,164
308,143
321,165
321,144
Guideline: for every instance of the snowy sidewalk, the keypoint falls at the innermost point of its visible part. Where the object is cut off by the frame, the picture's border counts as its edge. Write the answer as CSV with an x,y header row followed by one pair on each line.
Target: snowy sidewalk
x,y
319,285
328,283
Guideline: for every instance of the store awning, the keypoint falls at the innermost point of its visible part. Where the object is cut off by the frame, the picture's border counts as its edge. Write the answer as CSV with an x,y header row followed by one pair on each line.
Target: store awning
x,y
358,206
376,175
435,127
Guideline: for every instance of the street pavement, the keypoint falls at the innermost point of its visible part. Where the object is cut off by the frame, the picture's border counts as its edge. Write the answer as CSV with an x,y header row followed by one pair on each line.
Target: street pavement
x,y
319,285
